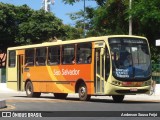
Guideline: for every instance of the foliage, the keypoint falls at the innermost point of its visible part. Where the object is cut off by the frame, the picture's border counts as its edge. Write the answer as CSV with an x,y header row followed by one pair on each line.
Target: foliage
x,y
21,25
7,26
99,2
112,16
40,26
146,22
146,18
72,32
108,18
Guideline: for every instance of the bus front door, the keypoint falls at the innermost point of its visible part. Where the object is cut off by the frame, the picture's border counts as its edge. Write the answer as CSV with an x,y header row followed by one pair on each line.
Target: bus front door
x,y
99,64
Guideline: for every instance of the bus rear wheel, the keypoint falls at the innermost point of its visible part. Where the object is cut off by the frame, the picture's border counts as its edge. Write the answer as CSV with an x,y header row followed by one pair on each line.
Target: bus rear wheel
x,y
118,98
30,91
60,95
83,96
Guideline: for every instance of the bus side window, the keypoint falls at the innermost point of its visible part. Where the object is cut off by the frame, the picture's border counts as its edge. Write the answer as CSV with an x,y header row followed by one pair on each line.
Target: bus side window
x,y
29,57
12,59
54,55
41,56
84,53
68,54
89,59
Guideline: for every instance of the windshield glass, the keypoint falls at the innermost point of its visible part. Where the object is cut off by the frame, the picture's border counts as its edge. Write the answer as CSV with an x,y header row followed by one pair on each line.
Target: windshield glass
x,y
130,58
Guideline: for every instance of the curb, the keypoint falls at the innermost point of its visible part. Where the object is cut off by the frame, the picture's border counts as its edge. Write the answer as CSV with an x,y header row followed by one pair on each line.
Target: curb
x,y
2,104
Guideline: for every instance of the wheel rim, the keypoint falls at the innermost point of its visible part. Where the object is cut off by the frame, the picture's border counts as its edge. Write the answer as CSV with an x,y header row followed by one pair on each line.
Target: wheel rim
x,y
29,89
82,91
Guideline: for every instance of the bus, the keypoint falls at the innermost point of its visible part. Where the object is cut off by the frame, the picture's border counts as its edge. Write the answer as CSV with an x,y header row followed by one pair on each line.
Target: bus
x,y
94,66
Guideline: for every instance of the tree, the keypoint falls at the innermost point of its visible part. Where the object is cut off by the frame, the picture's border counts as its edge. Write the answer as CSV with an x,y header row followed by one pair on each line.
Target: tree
x,y
72,32
7,26
108,18
112,16
21,25
99,2
39,27
146,22
146,19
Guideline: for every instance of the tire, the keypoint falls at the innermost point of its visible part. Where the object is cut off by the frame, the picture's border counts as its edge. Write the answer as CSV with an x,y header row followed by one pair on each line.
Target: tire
x,y
60,95
30,91
83,95
118,98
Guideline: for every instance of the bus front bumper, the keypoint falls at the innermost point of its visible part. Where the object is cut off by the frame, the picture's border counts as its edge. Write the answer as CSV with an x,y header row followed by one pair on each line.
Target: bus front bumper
x,y
118,90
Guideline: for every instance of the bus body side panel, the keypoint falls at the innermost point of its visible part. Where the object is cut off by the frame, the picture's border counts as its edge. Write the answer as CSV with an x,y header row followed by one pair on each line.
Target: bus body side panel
x,y
12,78
11,75
60,78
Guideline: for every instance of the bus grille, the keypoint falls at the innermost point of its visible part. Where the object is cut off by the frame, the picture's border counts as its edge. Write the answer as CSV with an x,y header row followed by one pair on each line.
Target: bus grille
x,y
128,91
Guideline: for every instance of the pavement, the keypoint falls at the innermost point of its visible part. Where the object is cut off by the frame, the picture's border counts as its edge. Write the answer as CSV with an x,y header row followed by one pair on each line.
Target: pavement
x,y
4,89
6,93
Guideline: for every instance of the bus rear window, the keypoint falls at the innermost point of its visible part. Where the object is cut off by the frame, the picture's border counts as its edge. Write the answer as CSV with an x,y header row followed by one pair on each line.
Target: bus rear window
x,y
12,59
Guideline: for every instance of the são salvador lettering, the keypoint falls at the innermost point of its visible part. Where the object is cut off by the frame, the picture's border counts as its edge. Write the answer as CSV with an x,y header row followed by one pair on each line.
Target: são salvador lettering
x,y
66,72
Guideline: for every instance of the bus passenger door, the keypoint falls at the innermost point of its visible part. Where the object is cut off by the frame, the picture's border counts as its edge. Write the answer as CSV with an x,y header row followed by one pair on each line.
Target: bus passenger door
x,y
20,59
99,68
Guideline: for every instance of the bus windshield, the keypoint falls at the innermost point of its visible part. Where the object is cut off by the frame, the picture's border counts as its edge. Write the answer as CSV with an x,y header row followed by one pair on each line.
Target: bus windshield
x,y
130,58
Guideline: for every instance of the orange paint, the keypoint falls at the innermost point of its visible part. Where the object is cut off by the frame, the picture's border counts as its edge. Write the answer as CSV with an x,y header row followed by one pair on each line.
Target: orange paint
x,y
20,52
52,79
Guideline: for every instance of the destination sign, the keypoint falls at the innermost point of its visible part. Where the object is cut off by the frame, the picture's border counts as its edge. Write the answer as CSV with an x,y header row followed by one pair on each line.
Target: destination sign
x,y
127,40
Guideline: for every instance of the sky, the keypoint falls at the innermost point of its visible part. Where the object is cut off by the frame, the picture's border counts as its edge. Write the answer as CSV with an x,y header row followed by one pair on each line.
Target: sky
x,y
59,8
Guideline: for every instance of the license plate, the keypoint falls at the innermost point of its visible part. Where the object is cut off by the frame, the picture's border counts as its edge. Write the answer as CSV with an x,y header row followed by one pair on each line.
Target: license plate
x,y
133,89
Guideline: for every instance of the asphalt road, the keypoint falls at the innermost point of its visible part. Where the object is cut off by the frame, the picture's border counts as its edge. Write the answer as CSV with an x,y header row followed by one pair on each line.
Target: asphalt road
x,y
103,106
73,104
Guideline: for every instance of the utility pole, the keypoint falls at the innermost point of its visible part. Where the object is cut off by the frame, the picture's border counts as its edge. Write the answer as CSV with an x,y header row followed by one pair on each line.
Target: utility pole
x,y
46,4
84,15
130,18
84,29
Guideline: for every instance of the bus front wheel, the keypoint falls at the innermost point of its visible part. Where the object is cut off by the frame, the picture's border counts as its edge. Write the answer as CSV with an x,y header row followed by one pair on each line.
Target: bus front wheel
x,y
118,98
30,91
83,96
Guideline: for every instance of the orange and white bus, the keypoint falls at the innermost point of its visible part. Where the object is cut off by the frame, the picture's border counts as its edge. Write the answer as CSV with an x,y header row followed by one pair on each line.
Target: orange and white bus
x,y
115,65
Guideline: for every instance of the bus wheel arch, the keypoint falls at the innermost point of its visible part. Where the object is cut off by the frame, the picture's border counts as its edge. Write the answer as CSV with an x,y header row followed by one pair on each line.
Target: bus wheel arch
x,y
30,89
81,89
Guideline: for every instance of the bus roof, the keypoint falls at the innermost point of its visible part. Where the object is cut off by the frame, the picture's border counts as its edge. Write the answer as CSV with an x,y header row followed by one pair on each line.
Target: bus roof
x,y
60,42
